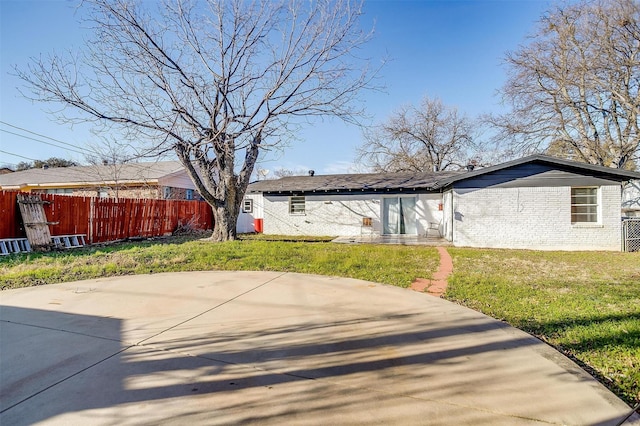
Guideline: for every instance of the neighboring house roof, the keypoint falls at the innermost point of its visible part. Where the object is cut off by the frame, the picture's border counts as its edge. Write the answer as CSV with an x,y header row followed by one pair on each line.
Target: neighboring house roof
x,y
110,174
430,181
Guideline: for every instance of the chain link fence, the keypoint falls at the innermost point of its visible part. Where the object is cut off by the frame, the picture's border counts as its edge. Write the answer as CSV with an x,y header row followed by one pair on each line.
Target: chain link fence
x,y
631,234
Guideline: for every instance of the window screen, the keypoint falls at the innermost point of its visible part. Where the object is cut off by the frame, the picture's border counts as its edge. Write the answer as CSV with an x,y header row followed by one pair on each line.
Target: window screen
x,y
584,205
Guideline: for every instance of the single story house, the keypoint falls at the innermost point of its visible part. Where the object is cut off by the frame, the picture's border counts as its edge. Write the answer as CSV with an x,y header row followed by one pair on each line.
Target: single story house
x,y
157,180
537,202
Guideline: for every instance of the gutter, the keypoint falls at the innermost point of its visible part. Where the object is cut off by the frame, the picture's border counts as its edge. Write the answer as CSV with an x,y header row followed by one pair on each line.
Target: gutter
x,y
425,190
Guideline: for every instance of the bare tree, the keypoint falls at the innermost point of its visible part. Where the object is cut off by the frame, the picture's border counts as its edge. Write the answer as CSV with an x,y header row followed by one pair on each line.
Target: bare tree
x,y
215,81
429,137
574,88
282,172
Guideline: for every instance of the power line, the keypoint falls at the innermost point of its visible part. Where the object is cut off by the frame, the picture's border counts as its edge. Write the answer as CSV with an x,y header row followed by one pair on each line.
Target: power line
x,y
37,140
85,150
16,155
42,136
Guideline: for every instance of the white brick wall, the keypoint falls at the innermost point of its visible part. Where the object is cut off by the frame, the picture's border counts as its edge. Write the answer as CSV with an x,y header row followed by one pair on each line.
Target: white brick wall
x,y
325,215
533,218
340,215
245,222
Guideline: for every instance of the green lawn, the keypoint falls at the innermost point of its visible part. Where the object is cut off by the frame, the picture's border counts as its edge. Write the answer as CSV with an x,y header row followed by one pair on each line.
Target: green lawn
x,y
395,265
585,304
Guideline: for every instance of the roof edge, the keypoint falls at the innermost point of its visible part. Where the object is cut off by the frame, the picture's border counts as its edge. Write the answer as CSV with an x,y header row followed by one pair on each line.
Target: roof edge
x,y
619,173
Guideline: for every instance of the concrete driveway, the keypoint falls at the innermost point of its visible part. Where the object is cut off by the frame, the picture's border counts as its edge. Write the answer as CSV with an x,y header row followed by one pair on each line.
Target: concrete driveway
x,y
274,348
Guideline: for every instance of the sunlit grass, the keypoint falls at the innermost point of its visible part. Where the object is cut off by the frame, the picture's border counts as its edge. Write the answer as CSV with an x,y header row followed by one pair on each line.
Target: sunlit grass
x,y
395,265
585,304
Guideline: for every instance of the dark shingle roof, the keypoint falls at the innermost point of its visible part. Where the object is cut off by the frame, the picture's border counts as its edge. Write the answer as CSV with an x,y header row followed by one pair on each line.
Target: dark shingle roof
x,y
583,168
353,182
430,181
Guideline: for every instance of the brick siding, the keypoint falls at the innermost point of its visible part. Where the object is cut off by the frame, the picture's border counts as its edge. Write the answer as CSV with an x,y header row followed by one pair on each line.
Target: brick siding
x,y
533,218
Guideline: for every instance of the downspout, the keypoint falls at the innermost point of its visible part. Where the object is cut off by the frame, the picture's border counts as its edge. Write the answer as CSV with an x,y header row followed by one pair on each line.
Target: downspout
x,y
453,217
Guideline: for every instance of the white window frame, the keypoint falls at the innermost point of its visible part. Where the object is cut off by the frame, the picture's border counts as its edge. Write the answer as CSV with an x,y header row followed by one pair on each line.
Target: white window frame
x,y
166,192
247,205
295,203
597,205
189,194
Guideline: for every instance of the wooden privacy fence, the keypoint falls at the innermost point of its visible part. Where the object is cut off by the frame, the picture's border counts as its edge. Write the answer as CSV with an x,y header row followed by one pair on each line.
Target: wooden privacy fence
x,y
105,219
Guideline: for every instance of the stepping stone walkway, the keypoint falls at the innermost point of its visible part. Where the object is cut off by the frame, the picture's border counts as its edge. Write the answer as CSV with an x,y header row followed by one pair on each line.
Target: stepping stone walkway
x,y
438,285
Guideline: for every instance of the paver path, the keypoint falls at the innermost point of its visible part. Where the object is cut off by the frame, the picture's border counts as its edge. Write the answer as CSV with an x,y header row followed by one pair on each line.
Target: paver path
x,y
438,285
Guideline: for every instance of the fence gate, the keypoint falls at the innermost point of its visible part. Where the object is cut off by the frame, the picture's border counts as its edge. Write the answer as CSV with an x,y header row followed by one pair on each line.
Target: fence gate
x,y
35,220
631,234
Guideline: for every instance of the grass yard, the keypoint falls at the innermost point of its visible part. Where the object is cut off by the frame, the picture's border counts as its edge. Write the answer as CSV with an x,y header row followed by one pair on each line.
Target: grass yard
x,y
395,265
585,304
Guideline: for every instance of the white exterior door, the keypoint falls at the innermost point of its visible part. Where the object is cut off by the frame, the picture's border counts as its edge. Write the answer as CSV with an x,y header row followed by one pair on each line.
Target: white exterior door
x,y
399,215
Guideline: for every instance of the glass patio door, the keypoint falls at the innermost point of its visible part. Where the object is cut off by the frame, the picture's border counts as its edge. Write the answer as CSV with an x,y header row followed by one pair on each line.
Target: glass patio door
x,y
399,215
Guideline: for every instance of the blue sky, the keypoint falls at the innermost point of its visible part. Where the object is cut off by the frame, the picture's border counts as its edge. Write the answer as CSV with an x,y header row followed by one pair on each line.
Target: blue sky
x,y
451,49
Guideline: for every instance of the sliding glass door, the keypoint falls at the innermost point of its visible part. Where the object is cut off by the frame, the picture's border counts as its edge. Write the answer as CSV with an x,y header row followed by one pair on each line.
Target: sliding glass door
x,y
399,215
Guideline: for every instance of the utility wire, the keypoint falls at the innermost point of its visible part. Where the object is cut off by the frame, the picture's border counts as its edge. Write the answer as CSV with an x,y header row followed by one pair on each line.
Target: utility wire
x,y
42,136
16,155
86,150
37,140
83,151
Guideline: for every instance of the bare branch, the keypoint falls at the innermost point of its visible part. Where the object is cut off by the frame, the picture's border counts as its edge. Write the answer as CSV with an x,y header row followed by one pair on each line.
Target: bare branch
x,y
429,137
574,88
216,81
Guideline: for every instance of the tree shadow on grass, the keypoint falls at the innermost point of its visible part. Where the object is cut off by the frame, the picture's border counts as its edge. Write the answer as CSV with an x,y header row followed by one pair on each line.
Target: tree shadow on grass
x,y
597,333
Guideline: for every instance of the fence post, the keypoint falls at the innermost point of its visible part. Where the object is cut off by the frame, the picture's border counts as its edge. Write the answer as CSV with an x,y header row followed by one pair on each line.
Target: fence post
x,y
91,216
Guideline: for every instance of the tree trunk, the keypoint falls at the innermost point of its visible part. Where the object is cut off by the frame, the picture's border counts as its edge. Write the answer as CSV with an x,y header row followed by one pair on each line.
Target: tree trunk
x,y
224,225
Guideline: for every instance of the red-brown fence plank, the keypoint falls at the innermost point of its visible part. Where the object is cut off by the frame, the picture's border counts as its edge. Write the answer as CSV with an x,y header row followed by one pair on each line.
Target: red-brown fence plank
x,y
10,215
105,219
69,214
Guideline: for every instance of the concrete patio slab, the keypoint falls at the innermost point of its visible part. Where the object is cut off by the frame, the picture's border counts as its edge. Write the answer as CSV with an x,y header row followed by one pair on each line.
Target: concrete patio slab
x,y
405,240
275,348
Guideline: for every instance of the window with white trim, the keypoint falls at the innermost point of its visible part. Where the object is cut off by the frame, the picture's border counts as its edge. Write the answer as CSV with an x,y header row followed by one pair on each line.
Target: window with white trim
x,y
584,205
247,205
189,194
297,205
